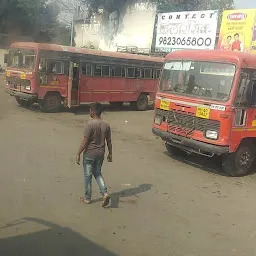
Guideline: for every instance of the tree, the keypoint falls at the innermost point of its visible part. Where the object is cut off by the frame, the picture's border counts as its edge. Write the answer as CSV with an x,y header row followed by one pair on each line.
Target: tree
x,y
34,18
166,5
194,5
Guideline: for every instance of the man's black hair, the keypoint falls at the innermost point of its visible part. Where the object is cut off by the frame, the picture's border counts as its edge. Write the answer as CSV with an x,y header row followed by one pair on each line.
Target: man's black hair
x,y
97,108
229,37
236,34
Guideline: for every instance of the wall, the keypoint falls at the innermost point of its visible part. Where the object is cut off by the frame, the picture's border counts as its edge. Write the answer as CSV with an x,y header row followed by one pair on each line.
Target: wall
x,y
88,31
128,25
2,53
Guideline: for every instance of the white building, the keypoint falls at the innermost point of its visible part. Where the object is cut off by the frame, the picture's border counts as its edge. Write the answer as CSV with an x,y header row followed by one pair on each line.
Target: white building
x,y
3,51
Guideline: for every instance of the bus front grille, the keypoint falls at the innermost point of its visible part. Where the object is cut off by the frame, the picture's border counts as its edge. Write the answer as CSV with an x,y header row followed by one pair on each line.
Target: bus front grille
x,y
188,121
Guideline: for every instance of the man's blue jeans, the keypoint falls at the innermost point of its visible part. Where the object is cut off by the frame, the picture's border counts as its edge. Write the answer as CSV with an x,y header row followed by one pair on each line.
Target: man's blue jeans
x,y
93,167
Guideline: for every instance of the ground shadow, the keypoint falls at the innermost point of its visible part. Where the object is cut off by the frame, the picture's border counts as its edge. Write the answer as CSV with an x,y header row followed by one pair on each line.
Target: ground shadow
x,y
84,109
208,164
115,197
53,240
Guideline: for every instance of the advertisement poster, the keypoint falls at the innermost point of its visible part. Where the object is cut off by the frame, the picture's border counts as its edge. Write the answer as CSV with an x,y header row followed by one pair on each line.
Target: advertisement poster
x,y
119,28
237,30
253,47
186,30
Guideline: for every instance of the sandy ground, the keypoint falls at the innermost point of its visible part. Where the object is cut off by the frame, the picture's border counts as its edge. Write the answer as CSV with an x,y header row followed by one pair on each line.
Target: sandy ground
x,y
160,206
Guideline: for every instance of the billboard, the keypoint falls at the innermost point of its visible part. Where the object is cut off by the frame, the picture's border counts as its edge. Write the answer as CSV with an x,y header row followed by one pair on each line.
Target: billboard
x,y
131,25
238,31
128,25
186,30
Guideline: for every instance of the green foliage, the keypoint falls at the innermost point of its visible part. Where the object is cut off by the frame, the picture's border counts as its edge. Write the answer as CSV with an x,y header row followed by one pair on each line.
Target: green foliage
x,y
166,5
33,18
194,5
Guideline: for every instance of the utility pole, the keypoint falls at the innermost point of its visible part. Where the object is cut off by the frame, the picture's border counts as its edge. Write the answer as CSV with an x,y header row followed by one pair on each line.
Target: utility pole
x,y
72,24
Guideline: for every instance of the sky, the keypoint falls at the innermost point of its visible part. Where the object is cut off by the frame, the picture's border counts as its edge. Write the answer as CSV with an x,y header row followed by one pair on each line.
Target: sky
x,y
243,4
239,4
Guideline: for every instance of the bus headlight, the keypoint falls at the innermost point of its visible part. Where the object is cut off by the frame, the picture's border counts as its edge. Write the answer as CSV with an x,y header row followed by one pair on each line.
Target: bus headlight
x,y
158,120
28,87
212,135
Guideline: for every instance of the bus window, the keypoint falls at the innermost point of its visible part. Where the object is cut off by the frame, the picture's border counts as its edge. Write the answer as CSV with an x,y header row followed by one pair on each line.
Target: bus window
x,y
116,71
130,72
244,91
86,69
56,67
105,70
5,58
157,73
97,70
42,65
137,73
147,73
123,72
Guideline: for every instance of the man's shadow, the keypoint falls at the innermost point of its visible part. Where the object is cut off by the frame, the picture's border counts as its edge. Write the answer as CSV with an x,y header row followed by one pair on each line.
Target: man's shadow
x,y
115,197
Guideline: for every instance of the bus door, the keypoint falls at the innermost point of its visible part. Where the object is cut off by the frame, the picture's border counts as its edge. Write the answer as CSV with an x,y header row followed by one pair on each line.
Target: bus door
x,y
73,85
42,72
138,82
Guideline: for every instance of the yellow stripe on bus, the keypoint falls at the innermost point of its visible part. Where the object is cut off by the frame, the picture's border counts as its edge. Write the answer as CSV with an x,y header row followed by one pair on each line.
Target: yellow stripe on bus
x,y
244,129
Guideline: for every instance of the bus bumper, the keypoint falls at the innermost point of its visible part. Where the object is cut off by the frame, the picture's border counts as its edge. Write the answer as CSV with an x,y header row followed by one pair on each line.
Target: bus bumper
x,y
190,145
22,95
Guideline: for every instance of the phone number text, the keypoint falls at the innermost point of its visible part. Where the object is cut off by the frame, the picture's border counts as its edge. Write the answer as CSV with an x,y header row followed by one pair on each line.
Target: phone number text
x,y
188,41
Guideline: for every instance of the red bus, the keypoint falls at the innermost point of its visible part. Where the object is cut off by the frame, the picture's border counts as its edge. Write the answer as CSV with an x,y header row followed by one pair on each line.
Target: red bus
x,y
52,75
206,105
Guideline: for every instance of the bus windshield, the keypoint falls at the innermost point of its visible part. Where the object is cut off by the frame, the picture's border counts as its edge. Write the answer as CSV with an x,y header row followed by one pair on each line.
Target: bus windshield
x,y
22,58
209,80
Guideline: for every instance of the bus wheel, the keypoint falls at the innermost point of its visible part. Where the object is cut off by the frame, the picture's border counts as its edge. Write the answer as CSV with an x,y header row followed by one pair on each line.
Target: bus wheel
x,y
116,104
51,103
240,162
141,104
174,151
23,103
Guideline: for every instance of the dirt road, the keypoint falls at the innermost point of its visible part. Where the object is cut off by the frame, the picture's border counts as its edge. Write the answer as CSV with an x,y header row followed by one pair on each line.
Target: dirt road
x,y
160,206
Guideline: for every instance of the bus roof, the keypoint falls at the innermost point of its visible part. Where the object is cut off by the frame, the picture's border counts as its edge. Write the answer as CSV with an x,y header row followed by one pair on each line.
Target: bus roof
x,y
214,55
61,48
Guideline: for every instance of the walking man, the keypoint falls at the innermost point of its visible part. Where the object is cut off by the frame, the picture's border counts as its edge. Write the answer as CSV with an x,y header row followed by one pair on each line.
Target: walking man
x,y
96,133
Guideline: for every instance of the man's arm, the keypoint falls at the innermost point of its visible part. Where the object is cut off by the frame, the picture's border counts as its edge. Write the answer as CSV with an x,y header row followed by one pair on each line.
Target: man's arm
x,y
109,144
82,148
84,144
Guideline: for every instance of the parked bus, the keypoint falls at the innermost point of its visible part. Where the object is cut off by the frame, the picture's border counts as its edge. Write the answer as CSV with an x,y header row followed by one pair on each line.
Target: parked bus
x,y
54,74
206,105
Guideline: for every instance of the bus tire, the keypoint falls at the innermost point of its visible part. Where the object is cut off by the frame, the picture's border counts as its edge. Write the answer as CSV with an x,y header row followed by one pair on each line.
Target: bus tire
x,y
23,103
173,151
51,103
239,163
118,104
141,104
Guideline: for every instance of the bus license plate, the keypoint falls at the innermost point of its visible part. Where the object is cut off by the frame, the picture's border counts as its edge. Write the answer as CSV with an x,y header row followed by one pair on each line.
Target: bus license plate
x,y
165,105
23,76
203,112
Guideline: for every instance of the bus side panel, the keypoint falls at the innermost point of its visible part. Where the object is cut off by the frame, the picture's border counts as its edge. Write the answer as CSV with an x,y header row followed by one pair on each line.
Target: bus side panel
x,y
247,131
150,87
85,94
117,89
94,89
131,92
55,83
236,137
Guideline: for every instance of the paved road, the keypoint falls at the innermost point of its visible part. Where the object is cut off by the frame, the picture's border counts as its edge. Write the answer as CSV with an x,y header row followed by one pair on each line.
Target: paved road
x,y
160,206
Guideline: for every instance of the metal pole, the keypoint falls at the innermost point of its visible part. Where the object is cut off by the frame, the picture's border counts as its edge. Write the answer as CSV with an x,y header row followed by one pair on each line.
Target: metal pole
x,y
72,25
